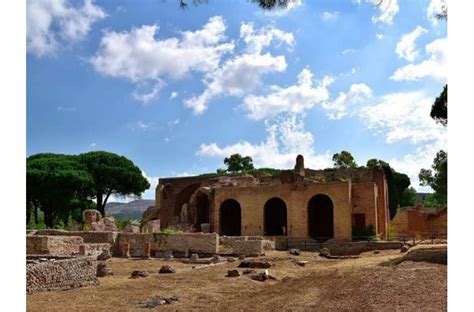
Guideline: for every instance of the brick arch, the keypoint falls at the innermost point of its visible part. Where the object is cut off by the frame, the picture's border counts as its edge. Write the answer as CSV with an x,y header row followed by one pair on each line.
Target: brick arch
x,y
321,217
183,197
230,218
275,217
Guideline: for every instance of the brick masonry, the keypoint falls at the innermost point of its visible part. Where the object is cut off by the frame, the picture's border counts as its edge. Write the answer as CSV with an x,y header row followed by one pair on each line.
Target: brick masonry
x,y
60,274
53,245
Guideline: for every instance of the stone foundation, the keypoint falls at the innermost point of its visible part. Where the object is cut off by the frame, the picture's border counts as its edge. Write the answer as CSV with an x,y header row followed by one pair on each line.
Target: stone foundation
x,y
53,245
43,274
249,247
88,237
179,244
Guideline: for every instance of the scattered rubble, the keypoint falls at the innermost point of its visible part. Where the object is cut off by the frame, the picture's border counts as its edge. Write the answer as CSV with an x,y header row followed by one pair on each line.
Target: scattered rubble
x,y
166,269
233,273
301,263
294,252
154,301
138,274
105,255
255,264
103,270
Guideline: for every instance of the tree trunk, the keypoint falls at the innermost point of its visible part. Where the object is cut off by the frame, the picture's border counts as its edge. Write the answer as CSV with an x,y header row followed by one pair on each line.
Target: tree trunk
x,y
36,213
28,213
48,219
99,204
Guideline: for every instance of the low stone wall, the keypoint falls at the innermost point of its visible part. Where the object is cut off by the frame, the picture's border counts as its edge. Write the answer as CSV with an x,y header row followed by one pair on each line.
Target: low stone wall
x,y
355,248
249,247
95,249
60,274
53,245
88,237
430,253
181,244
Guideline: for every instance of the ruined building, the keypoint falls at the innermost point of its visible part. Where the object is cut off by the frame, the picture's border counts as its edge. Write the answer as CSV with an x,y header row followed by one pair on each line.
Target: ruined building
x,y
297,203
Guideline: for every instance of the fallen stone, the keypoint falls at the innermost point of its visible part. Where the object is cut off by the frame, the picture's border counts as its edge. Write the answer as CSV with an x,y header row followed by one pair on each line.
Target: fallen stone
x,y
155,301
166,269
194,257
376,252
248,271
404,248
233,273
294,252
102,270
255,264
138,274
301,263
261,277
241,257
216,258
105,255
244,264
230,259
324,252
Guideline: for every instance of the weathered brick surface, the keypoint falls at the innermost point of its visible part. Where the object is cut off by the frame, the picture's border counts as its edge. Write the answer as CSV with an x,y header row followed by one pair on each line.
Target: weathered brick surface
x,y
200,243
53,245
60,274
88,237
252,201
419,221
364,200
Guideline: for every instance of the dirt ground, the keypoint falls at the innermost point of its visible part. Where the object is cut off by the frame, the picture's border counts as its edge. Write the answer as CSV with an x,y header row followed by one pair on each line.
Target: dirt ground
x,y
322,285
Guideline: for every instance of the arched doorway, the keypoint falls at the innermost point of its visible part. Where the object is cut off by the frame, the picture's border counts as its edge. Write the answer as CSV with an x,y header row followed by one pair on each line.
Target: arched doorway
x,y
275,219
202,210
230,218
321,217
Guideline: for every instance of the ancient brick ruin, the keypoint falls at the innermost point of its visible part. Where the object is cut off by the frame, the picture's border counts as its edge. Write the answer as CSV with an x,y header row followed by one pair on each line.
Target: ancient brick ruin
x,y
413,221
325,204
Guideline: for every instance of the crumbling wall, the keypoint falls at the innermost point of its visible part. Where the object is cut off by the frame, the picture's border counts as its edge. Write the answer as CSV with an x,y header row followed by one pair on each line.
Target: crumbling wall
x,y
248,247
88,237
60,274
200,243
364,200
53,245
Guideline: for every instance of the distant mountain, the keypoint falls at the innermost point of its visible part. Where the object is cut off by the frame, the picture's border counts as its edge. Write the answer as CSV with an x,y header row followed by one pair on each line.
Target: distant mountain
x,y
133,209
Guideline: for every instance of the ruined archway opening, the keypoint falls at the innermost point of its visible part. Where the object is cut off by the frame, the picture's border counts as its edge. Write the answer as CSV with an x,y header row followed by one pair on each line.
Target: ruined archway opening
x,y
202,210
321,217
275,217
230,218
182,198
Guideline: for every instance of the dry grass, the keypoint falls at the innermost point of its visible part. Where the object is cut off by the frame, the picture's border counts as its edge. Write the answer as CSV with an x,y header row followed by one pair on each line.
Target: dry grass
x,y
323,285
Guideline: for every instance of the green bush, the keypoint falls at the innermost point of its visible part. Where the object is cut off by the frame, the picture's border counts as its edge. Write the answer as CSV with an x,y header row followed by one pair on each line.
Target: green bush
x,y
362,234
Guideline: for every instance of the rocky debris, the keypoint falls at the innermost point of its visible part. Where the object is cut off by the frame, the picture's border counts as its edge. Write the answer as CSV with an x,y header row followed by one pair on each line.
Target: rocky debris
x,y
294,252
105,255
254,264
93,221
132,227
338,257
166,269
301,263
404,248
233,273
241,257
376,252
249,271
230,259
152,226
260,276
103,270
154,301
138,274
194,257
324,252
216,258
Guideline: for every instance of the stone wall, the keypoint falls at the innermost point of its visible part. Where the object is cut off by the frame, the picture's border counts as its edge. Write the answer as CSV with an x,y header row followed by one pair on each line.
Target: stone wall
x,y
181,244
60,274
88,237
53,245
420,221
364,200
249,247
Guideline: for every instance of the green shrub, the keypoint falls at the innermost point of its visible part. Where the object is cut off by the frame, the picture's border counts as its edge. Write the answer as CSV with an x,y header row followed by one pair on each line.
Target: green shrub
x,y
367,233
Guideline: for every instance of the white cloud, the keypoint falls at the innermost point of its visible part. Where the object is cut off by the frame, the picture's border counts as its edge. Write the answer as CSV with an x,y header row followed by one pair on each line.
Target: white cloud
x,y
357,94
388,9
347,51
92,145
138,56
434,8
406,48
286,138
436,66
294,99
403,117
150,93
422,157
173,95
329,16
243,73
379,36
150,193
50,23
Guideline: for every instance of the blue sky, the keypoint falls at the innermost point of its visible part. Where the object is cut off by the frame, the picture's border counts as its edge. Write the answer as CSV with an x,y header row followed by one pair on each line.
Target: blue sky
x,y
176,90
